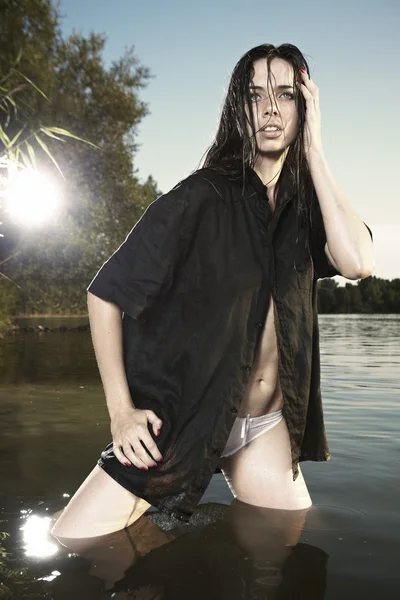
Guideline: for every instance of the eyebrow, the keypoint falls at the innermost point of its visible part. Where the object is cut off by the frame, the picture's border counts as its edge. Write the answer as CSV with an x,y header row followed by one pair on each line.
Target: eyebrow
x,y
279,87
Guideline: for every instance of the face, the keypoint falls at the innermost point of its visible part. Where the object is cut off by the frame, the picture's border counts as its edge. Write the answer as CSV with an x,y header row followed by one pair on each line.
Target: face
x,y
273,106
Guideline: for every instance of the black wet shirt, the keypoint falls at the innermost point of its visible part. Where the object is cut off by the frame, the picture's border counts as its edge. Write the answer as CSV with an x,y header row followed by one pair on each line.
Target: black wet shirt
x,y
193,279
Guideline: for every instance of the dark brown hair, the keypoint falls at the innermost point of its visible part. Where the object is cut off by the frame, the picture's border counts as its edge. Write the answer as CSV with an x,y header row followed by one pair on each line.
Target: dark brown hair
x,y
233,149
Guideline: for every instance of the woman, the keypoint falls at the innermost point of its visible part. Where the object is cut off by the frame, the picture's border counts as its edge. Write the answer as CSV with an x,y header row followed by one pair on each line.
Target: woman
x,y
215,362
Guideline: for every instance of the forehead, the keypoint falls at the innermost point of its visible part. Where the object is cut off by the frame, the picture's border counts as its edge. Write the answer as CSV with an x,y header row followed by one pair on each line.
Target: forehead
x,y
281,71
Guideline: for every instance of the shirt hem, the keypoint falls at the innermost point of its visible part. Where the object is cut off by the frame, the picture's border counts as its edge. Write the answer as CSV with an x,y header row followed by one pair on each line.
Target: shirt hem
x,y
320,458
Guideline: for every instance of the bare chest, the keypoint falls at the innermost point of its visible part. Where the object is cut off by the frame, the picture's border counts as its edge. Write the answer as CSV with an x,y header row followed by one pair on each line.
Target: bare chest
x,y
263,393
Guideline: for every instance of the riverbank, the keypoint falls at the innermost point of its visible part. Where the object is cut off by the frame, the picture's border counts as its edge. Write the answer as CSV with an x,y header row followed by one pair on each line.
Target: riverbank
x,y
44,323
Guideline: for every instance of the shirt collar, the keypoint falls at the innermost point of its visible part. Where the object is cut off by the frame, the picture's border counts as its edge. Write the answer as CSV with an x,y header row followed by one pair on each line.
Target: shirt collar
x,y
286,187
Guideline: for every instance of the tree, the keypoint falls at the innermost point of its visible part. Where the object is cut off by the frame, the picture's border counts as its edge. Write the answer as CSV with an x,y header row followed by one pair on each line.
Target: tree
x,y
354,302
391,296
369,295
326,295
103,197
371,290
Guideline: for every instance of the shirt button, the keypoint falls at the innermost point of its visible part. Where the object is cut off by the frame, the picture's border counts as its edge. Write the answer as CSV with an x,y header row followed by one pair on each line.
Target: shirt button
x,y
246,367
217,450
234,410
201,488
260,324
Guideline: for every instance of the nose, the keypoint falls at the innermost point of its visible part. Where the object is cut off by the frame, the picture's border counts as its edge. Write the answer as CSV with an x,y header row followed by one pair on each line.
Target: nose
x,y
270,106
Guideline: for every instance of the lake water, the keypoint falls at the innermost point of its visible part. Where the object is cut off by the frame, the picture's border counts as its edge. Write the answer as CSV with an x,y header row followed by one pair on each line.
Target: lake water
x,y
54,424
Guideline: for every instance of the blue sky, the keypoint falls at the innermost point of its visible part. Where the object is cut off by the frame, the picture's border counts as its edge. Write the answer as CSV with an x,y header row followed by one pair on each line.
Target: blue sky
x,y
190,48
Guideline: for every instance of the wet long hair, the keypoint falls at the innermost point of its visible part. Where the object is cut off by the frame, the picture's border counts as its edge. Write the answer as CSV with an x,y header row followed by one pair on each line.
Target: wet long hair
x,y
234,150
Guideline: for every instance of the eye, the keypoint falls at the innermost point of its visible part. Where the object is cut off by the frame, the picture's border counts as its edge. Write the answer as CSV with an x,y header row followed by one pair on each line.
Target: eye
x,y
288,95
254,97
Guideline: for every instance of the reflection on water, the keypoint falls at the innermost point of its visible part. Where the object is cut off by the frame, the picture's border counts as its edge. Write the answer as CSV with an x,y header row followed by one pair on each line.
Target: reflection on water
x,y
234,552
36,537
247,552
54,424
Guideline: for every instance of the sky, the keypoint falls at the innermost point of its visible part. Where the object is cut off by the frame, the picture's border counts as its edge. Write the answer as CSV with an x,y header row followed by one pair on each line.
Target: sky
x,y
191,48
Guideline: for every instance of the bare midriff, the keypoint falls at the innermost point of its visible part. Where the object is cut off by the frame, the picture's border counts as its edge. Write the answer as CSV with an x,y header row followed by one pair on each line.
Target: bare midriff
x,y
263,392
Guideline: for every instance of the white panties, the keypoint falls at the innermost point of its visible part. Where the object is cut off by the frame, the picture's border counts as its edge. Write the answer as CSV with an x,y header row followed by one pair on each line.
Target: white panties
x,y
246,429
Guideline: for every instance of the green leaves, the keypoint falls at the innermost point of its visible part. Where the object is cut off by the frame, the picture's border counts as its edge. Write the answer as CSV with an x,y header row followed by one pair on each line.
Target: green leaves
x,y
66,112
50,131
369,295
45,148
12,154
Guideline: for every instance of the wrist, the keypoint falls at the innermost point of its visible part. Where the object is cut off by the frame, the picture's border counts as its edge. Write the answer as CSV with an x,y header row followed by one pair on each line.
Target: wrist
x,y
121,413
119,406
315,156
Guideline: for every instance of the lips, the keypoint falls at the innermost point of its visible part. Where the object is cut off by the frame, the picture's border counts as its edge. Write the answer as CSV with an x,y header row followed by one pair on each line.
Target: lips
x,y
271,133
271,127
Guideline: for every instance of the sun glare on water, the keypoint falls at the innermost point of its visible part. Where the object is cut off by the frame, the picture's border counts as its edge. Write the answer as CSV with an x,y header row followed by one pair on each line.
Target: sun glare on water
x,y
36,537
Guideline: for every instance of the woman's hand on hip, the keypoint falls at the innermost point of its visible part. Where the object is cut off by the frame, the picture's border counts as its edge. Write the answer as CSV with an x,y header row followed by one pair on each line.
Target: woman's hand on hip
x,y
128,429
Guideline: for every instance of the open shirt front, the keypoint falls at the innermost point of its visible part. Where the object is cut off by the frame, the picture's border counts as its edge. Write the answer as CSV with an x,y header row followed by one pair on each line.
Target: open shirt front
x,y
194,279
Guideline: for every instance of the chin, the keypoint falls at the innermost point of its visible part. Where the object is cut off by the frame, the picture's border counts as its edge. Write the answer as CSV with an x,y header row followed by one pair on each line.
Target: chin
x,y
271,149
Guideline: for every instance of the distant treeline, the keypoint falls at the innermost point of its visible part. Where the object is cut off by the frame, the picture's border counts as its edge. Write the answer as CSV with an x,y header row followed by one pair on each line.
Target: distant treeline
x,y
370,295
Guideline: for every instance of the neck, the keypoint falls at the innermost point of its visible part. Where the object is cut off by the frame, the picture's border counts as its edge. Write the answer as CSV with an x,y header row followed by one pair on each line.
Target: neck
x,y
269,168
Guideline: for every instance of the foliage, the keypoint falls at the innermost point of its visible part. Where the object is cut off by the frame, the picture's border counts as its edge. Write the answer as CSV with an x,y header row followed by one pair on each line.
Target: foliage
x,y
10,304
370,295
10,163
102,196
13,156
18,151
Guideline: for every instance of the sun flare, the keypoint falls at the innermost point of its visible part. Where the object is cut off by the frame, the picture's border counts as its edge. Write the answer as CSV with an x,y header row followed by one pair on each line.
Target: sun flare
x,y
31,198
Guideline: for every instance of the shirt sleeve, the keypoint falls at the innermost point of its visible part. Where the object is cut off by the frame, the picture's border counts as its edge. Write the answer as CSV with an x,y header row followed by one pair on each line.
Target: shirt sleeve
x,y
145,263
322,265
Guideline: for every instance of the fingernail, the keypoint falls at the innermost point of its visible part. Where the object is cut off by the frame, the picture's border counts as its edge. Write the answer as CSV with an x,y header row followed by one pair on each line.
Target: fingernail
x,y
158,432
144,468
127,464
154,466
303,69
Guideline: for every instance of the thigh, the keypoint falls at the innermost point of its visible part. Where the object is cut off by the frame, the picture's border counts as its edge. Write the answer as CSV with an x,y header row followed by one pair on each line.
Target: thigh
x,y
261,472
99,506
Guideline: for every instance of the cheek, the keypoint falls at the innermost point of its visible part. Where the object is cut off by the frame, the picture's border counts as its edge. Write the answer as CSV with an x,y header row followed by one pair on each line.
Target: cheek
x,y
292,122
256,118
256,113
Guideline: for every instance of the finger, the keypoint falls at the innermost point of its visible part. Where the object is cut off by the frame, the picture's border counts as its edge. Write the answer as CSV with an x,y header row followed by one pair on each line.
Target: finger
x,y
303,73
133,456
309,83
308,100
151,445
141,453
307,96
120,456
304,89
306,76
155,421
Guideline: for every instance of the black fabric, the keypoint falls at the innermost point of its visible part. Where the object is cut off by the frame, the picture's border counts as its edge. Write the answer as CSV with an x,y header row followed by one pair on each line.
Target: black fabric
x,y
193,279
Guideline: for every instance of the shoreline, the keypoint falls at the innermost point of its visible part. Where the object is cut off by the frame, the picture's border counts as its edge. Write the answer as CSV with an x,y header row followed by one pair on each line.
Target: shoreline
x,y
49,316
45,322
